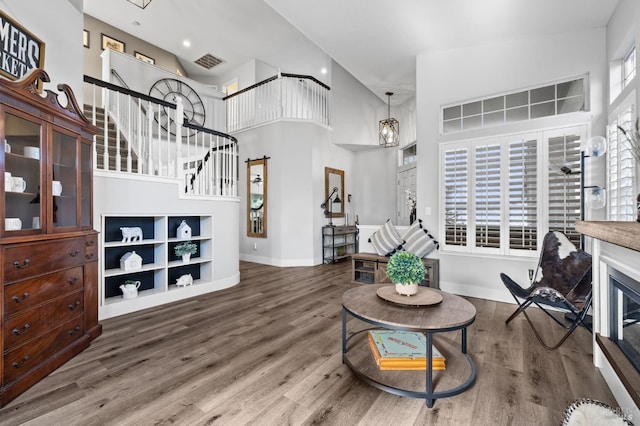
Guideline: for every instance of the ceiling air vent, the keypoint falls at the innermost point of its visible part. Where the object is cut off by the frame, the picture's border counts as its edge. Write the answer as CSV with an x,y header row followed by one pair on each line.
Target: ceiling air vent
x,y
208,61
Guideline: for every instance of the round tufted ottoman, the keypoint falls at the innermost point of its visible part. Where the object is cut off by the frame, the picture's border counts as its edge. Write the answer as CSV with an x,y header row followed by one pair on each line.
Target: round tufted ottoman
x,y
588,412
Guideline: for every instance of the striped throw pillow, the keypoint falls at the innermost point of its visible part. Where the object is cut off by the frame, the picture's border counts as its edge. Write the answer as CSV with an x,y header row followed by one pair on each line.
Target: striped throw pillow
x,y
420,243
386,240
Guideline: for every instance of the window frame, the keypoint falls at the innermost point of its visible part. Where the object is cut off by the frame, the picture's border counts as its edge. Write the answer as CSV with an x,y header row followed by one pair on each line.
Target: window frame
x,y
542,137
629,74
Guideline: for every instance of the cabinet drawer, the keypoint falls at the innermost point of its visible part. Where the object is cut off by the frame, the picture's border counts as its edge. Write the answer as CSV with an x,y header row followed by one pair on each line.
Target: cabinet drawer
x,y
23,358
32,323
29,293
91,248
23,261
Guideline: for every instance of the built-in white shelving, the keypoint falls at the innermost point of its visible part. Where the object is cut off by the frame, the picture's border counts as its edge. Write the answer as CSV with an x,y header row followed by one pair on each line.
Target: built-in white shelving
x,y
160,266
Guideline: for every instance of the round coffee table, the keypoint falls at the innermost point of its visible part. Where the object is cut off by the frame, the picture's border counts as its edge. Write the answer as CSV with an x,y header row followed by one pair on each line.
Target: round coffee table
x,y
453,313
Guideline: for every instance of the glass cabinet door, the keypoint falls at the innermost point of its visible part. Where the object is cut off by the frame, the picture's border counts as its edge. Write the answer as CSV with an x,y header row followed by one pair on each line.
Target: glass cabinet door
x,y
64,184
22,174
86,173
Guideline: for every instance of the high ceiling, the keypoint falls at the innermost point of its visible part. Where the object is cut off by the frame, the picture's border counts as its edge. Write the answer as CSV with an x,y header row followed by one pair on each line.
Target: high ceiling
x,y
376,41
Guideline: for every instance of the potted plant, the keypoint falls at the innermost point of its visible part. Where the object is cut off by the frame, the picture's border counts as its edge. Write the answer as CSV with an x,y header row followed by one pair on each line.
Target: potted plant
x,y
186,249
406,271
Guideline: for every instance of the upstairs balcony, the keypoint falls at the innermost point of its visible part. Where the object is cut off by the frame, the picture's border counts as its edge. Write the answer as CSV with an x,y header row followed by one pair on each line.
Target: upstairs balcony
x,y
281,97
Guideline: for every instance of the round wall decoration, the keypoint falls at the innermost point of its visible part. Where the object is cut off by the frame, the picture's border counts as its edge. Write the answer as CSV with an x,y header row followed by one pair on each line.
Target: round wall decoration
x,y
169,89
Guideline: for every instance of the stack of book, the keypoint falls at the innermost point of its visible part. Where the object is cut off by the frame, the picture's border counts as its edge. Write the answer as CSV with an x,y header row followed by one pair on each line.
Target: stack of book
x,y
402,350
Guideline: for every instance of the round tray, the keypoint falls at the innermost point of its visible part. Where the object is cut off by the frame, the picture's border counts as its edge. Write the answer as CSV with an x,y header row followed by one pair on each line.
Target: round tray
x,y
424,296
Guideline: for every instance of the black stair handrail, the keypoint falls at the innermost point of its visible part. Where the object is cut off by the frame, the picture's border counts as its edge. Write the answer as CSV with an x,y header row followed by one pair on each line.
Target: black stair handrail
x,y
275,77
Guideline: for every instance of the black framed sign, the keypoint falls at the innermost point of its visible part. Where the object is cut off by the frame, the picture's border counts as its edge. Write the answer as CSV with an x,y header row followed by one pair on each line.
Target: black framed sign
x,y
20,50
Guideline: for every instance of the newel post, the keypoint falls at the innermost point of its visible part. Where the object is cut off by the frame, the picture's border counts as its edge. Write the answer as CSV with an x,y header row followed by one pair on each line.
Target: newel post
x,y
179,122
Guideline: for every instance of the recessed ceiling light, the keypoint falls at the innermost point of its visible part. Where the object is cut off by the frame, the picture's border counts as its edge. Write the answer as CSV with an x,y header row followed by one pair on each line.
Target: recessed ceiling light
x,y
186,43
323,71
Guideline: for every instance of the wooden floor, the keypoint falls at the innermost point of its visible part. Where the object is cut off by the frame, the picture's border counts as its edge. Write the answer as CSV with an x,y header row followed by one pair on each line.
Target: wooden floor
x,y
268,352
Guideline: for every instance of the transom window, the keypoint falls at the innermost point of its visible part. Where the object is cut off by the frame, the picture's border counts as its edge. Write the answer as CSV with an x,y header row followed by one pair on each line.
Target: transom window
x,y
555,99
500,194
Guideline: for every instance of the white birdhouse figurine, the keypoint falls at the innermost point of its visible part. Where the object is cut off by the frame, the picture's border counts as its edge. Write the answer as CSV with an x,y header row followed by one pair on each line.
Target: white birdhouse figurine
x,y
184,231
130,261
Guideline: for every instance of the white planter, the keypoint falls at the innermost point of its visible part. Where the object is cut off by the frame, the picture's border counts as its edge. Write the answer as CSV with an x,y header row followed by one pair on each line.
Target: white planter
x,y
186,258
407,289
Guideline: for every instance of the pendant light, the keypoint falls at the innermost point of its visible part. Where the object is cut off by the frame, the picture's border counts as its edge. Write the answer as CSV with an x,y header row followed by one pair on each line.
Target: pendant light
x,y
389,128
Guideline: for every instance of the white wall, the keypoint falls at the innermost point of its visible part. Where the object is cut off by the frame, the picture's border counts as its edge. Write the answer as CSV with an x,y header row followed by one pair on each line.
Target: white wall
x,y
298,153
63,43
445,77
93,62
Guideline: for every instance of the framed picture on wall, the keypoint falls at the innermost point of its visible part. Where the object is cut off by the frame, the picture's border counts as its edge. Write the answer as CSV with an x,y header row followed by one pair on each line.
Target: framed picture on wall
x,y
85,38
112,43
144,58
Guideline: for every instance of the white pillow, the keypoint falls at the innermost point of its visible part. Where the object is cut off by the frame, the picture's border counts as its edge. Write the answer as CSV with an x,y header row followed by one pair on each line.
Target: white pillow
x,y
386,240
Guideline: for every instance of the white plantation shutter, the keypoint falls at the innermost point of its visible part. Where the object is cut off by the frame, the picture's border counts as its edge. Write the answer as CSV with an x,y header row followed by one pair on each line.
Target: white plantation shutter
x,y
564,189
487,195
621,168
523,194
499,195
455,198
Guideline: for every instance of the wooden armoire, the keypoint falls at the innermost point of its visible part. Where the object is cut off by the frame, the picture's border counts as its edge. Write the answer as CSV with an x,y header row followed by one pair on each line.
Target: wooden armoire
x,y
48,248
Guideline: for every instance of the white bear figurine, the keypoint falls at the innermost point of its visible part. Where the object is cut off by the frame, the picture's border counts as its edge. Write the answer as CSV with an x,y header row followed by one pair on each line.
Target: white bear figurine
x,y
184,280
130,234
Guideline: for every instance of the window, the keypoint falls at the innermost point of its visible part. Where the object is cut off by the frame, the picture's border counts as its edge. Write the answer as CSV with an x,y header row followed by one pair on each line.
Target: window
x,y
629,67
487,195
520,186
620,163
523,193
561,98
409,154
455,190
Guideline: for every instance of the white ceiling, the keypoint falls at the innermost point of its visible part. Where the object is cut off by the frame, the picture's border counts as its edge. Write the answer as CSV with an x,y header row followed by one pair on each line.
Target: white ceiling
x,y
376,41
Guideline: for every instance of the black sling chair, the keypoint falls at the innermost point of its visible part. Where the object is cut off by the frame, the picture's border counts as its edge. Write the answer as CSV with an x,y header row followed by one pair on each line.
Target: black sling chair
x,y
562,280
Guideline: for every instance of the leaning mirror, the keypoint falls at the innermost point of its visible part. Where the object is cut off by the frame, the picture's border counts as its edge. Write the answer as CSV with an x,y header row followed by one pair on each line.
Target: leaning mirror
x,y
333,192
257,198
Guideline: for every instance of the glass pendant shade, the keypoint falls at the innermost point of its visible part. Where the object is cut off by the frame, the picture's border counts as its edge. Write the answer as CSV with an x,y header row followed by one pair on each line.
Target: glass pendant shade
x,y
389,129
596,198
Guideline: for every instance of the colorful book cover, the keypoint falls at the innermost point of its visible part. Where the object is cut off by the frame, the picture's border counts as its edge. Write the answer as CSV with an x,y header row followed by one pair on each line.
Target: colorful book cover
x,y
402,350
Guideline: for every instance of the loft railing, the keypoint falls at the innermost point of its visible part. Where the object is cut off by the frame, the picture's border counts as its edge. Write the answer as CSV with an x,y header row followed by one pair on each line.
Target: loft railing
x,y
284,96
142,135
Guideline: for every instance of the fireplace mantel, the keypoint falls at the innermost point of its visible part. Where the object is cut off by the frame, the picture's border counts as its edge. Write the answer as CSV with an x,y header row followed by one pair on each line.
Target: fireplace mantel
x,y
623,234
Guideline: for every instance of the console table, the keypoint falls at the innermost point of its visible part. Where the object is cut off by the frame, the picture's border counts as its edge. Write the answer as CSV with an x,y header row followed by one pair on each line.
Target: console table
x,y
370,268
453,313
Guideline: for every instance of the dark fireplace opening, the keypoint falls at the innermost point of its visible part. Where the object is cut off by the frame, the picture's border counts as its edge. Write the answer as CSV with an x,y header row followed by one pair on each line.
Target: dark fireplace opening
x,y
624,315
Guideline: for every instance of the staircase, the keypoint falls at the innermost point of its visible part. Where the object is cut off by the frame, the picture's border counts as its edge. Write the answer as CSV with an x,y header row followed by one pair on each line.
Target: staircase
x,y
111,135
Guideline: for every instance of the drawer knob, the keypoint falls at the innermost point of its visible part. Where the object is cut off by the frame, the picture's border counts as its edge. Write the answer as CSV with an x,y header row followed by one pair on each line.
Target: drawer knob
x,y
24,330
74,306
89,243
74,330
73,280
74,253
19,265
89,256
19,300
21,363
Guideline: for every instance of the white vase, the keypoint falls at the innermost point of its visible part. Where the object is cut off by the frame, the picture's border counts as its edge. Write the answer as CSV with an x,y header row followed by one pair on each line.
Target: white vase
x,y
186,258
407,289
